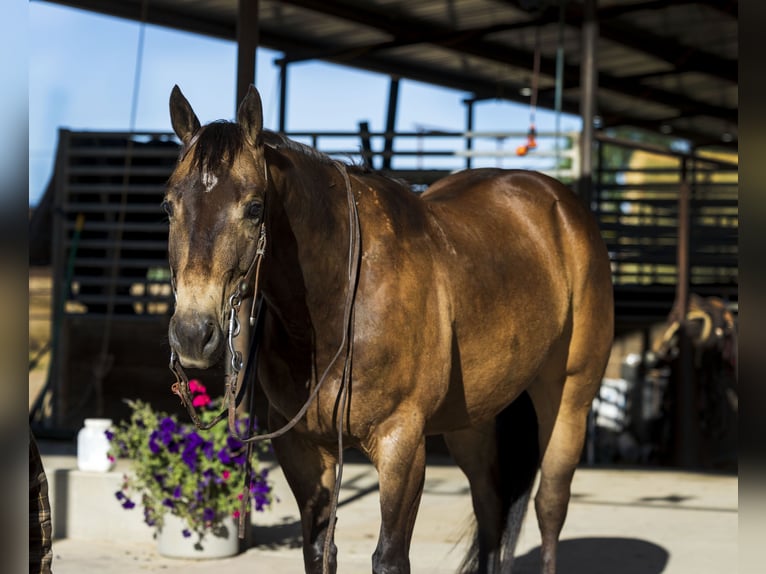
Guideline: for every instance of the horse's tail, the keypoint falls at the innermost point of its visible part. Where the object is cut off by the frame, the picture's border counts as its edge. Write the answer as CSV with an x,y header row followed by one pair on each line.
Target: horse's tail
x,y
518,460
518,457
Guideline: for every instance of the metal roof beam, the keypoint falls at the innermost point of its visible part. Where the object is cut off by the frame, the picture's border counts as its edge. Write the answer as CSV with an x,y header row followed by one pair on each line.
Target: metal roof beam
x,y
682,58
178,20
502,53
665,49
486,90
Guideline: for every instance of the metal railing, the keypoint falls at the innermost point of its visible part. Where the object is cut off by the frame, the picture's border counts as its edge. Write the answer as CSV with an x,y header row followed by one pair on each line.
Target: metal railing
x,y
636,201
427,154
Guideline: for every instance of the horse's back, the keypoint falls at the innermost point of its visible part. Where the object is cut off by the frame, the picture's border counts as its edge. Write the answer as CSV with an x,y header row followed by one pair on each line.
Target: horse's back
x,y
494,187
522,211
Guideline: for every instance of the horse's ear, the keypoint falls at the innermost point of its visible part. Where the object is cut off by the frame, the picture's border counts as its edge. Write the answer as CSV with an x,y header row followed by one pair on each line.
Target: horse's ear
x,y
182,117
250,115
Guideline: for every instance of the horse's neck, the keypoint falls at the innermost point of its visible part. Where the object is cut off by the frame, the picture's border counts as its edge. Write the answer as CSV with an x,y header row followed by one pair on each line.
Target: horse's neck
x,y
307,274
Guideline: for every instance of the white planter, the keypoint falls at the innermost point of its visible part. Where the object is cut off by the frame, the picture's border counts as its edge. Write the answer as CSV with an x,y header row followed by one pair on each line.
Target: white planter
x,y
217,543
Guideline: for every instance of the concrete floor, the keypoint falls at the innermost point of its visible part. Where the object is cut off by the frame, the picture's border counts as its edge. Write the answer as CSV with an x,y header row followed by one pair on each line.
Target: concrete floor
x,y
620,521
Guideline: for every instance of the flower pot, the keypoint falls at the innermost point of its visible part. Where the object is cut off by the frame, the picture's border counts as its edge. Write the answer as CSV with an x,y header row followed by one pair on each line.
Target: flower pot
x,y
218,542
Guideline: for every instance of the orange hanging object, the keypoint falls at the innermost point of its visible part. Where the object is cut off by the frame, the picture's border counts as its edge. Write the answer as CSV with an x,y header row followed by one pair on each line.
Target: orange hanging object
x,y
531,142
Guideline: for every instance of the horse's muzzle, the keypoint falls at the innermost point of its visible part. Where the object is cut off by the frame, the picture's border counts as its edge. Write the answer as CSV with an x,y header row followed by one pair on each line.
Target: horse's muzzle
x,y
197,340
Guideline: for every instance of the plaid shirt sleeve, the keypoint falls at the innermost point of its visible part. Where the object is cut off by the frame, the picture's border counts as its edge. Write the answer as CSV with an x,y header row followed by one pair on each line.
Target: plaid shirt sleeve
x,y
40,552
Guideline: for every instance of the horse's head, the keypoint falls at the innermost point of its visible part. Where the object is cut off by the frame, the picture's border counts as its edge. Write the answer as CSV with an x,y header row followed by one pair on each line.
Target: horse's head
x,y
215,204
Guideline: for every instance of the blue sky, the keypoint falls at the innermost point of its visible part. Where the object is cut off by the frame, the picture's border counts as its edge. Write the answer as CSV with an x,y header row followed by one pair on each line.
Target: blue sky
x,y
82,75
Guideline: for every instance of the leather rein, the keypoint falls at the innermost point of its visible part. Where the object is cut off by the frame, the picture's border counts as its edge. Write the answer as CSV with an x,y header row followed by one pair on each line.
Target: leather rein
x,y
234,386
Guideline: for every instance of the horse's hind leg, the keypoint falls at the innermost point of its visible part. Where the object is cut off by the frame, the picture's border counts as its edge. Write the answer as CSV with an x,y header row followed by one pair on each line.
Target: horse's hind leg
x,y
562,404
500,459
475,452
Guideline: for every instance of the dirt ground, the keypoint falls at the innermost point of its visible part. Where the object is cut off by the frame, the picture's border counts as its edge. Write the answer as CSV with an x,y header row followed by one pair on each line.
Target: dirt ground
x,y
40,298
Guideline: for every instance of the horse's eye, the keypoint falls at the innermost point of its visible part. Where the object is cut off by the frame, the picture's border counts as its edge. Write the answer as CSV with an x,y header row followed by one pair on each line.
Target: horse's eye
x,y
168,208
253,210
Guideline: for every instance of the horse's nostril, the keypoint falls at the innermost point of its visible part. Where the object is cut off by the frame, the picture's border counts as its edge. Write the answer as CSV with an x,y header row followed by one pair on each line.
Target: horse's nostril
x,y
208,330
211,337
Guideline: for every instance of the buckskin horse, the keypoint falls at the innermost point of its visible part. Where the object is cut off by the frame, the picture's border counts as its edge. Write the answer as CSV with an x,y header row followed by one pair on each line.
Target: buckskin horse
x,y
481,310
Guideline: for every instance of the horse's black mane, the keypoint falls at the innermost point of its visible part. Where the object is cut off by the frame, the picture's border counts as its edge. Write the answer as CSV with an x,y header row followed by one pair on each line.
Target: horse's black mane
x,y
220,141
279,141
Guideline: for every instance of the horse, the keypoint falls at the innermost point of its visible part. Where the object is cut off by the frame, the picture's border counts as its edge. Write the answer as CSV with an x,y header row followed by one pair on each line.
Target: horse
x,y
481,310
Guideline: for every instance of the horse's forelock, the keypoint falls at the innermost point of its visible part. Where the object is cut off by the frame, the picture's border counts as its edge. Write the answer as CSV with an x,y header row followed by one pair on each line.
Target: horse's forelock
x,y
219,143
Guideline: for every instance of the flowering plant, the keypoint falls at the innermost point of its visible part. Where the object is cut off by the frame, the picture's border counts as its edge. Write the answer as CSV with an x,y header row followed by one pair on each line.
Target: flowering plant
x,y
197,475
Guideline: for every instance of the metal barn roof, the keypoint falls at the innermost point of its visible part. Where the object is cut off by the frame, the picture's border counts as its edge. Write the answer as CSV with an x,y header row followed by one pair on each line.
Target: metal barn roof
x,y
668,66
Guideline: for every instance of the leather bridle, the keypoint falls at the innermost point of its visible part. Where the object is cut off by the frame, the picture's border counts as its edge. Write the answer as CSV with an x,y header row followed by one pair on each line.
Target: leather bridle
x,y
234,389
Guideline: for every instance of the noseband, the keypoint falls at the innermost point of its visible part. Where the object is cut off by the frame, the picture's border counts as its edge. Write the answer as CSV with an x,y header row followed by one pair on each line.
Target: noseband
x,y
234,389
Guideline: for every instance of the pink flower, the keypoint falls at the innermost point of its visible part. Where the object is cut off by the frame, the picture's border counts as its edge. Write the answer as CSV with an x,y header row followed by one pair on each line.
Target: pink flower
x,y
196,387
201,401
235,514
226,474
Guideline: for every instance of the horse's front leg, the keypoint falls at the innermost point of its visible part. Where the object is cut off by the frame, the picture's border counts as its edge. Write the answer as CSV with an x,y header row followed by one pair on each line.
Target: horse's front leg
x,y
310,472
399,455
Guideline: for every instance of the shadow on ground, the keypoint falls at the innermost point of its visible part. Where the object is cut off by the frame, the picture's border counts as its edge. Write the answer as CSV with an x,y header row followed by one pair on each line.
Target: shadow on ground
x,y
284,535
600,556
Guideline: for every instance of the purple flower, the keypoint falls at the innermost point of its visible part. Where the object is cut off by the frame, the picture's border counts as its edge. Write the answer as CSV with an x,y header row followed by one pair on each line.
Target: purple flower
x,y
224,456
165,433
208,515
153,446
193,440
128,504
233,443
119,494
109,435
240,458
260,490
177,492
169,503
207,450
186,532
149,516
167,425
189,456
260,502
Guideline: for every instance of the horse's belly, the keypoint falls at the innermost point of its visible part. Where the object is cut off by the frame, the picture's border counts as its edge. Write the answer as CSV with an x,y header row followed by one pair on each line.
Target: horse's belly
x,y
488,376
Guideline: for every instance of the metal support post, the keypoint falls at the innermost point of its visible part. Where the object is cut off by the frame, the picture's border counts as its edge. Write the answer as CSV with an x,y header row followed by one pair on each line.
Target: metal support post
x,y
282,95
469,129
588,87
393,98
247,44
687,416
